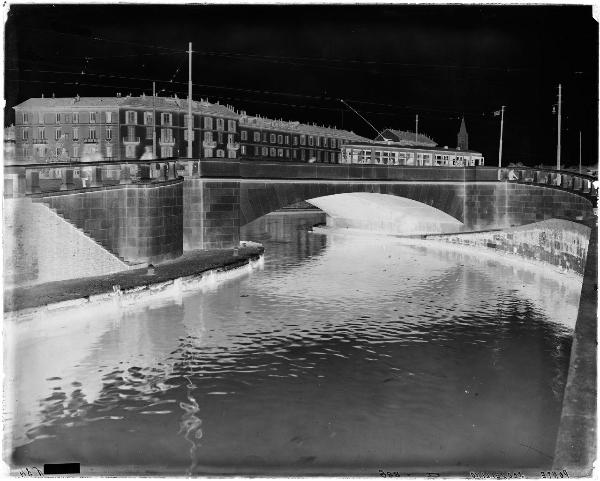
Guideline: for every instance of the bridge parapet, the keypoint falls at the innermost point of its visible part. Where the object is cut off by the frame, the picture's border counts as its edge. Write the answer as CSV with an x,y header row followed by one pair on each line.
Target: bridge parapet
x,y
20,180
561,179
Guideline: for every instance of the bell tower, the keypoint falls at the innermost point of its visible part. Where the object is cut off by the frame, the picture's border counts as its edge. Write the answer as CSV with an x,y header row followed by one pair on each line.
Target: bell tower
x,y
463,136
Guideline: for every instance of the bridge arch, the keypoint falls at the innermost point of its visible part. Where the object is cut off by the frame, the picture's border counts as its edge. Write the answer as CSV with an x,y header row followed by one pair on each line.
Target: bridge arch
x,y
385,213
258,199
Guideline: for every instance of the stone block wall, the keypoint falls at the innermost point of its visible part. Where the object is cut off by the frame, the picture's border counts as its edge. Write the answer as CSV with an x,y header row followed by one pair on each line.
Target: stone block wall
x,y
138,222
559,242
502,204
40,246
211,215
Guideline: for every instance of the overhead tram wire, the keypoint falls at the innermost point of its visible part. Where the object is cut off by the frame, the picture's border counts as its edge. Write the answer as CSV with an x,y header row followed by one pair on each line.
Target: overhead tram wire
x,y
243,99
281,57
454,113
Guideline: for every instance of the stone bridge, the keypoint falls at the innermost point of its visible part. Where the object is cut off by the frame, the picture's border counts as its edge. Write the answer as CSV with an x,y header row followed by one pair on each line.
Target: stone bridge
x,y
220,196
152,210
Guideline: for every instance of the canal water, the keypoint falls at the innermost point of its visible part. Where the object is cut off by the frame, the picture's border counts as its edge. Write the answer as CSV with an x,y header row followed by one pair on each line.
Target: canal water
x,y
340,354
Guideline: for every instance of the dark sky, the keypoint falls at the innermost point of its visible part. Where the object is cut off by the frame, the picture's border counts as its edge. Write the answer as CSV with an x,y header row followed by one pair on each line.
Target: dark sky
x,y
294,62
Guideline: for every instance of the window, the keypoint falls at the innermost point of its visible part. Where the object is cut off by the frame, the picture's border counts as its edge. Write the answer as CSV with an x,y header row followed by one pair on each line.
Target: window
x,y
287,139
25,134
40,118
149,133
130,133
108,133
256,136
280,139
231,154
294,154
243,150
92,133
75,133
208,153
148,118
130,151
166,119
220,137
318,141
333,143
58,118
41,133
166,135
272,138
220,152
109,150
25,117
185,134
244,135
208,122
92,117
324,141
108,116
295,140
279,152
76,150
303,140
208,136
231,125
265,152
302,154
256,150
264,136
75,117
287,153
220,126
273,152
130,117
230,138
311,140
166,151
57,134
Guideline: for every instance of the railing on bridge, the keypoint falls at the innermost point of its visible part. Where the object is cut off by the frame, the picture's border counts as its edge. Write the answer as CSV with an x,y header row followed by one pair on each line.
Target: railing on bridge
x,y
582,184
56,177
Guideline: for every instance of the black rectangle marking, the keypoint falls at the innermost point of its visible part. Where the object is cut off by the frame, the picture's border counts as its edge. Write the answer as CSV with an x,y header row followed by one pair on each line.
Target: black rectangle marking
x,y
62,468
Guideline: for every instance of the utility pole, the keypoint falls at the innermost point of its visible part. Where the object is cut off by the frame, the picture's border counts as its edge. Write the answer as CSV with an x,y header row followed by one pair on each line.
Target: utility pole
x,y
154,120
580,151
417,128
501,134
559,119
190,120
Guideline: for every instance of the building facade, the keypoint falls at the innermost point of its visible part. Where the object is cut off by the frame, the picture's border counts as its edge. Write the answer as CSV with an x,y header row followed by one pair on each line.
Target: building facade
x,y
262,138
81,129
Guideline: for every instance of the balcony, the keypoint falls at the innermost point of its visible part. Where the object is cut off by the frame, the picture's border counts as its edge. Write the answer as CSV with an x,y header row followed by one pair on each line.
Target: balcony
x,y
233,146
39,141
209,144
131,140
90,140
167,142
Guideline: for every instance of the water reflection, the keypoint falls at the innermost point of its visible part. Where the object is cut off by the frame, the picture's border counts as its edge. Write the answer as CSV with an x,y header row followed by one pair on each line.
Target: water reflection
x,y
343,353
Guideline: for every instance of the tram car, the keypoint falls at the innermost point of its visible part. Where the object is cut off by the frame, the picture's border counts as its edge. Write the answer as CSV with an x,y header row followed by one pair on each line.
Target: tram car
x,y
390,153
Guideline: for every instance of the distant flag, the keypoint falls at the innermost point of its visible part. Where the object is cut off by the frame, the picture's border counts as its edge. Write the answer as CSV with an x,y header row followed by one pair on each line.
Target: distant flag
x,y
497,113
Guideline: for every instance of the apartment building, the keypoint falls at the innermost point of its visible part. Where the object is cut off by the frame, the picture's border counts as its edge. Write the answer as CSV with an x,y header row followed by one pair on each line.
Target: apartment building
x,y
120,128
262,138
